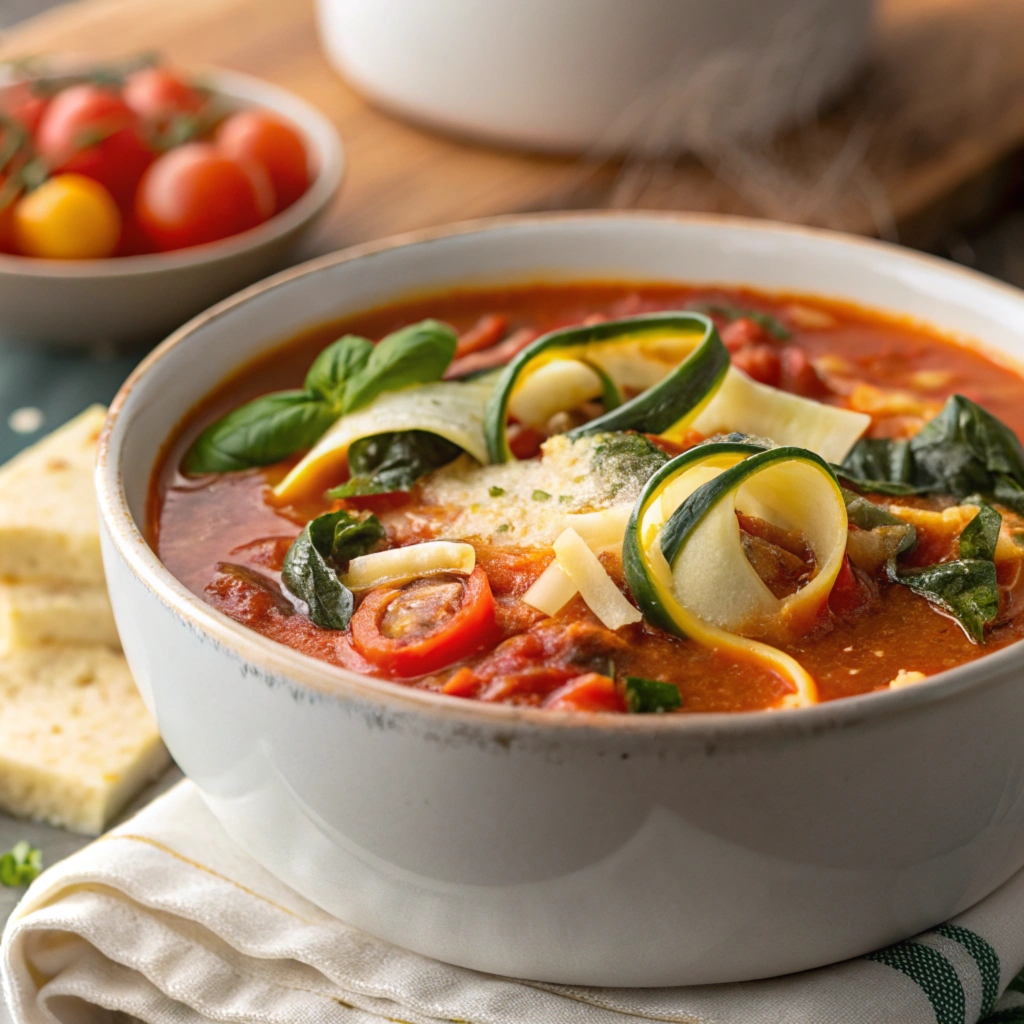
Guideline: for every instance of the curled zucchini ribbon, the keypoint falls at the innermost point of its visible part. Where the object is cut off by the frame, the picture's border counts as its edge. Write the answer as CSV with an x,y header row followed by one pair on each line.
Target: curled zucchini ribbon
x,y
676,360
684,560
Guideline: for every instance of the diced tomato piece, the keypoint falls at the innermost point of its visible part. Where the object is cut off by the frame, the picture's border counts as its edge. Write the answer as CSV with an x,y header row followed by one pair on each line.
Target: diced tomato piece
x,y
799,375
489,358
463,683
487,331
741,332
851,592
525,442
590,692
761,362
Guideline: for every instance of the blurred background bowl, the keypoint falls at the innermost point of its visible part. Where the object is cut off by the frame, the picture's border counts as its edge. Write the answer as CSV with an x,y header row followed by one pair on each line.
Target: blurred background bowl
x,y
130,301
650,76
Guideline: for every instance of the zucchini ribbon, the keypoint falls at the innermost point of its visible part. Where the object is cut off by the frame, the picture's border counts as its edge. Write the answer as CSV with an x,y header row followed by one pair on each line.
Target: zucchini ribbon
x,y
682,370
684,560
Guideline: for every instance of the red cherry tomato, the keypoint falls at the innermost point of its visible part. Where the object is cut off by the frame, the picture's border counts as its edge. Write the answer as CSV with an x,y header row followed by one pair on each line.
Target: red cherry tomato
x,y
92,131
158,94
196,194
24,106
410,631
256,135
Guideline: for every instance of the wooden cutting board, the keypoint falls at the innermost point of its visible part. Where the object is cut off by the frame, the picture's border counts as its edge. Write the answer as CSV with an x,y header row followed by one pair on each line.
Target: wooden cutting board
x,y
924,143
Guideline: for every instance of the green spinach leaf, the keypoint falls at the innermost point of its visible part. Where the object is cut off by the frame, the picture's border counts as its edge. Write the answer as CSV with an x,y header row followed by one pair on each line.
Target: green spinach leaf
x,y
260,432
393,462
336,366
962,451
310,567
418,354
649,696
966,588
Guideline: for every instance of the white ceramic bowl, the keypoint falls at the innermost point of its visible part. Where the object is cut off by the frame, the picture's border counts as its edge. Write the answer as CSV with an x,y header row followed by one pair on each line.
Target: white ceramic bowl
x,y
653,76
597,849
97,304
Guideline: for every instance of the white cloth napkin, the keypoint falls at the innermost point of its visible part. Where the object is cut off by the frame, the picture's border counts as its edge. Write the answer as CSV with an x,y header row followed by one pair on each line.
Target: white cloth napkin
x,y
166,920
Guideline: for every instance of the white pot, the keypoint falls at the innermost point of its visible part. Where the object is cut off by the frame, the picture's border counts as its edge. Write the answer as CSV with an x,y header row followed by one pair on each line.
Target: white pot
x,y
597,849
648,75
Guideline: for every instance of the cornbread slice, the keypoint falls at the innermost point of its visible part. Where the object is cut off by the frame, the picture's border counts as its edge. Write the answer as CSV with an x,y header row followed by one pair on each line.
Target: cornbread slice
x,y
48,521
55,613
76,741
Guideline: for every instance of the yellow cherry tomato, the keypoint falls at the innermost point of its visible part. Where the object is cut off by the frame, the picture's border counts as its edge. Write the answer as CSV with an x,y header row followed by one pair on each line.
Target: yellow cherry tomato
x,y
69,217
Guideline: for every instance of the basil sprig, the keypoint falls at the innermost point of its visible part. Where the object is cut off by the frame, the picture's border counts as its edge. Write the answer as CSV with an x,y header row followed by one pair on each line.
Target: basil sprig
x,y
394,461
649,696
310,567
964,450
346,376
966,588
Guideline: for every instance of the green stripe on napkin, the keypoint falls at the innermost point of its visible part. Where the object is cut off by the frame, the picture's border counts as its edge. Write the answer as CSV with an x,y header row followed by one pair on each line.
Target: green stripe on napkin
x,y
983,955
933,972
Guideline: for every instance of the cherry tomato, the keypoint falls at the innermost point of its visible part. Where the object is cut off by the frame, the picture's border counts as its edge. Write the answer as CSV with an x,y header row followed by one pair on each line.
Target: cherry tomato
x,y
69,217
422,627
256,135
92,131
196,194
24,106
158,94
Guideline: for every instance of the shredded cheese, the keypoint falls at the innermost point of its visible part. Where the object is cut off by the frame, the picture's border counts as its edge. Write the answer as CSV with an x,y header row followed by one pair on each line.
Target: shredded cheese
x,y
552,590
596,587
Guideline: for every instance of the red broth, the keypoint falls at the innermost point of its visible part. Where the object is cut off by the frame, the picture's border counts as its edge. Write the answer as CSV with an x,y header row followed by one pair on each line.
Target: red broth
x,y
897,371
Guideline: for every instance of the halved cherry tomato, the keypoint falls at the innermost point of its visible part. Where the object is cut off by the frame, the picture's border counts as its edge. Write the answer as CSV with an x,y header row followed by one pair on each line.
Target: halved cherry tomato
x,y
425,625
157,94
261,137
92,131
195,194
69,217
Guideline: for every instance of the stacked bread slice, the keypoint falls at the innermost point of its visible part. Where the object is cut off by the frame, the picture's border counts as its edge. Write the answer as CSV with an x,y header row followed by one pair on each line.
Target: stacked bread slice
x,y
76,741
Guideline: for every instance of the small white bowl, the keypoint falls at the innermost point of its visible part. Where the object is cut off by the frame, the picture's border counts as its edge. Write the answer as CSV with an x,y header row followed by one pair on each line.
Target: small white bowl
x,y
133,300
653,76
585,848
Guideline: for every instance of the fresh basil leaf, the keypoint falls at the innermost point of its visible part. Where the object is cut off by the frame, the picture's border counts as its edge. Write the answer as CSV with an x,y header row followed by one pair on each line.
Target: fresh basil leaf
x,y
393,462
260,432
771,324
418,354
20,865
979,537
649,696
966,588
309,567
336,365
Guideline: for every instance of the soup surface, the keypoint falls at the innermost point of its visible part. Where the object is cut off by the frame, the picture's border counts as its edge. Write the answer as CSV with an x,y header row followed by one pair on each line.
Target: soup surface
x,y
700,552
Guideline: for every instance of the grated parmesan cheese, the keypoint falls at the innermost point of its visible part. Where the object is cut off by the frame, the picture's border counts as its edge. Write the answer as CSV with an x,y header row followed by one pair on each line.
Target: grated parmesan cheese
x,y
523,504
